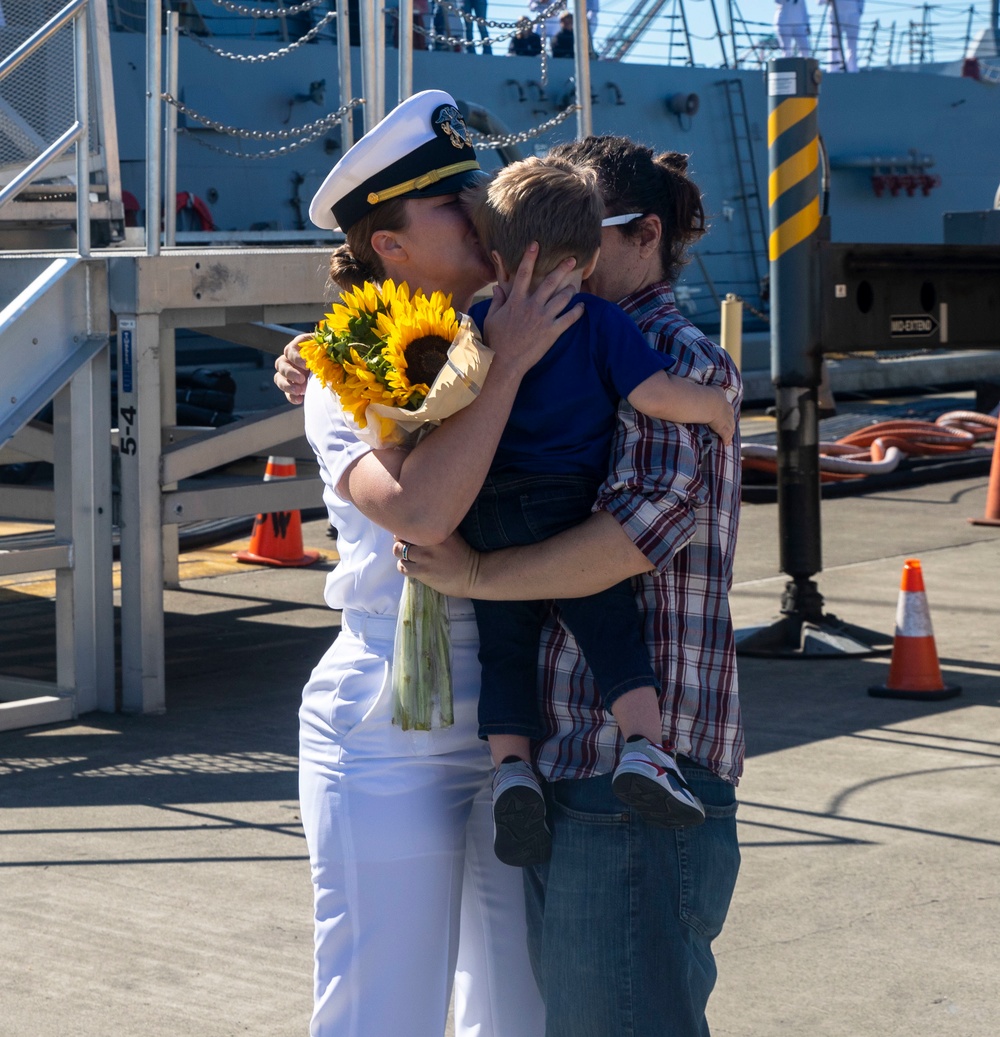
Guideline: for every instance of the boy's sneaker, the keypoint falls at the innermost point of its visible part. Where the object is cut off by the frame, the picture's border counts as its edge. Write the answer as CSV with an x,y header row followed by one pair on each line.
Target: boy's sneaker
x,y
521,835
648,779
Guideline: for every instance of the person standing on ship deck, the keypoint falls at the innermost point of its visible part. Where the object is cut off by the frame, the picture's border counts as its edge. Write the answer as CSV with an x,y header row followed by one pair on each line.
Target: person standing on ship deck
x,y
842,34
791,23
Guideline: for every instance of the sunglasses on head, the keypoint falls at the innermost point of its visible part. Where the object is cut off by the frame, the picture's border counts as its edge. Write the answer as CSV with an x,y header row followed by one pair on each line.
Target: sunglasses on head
x,y
618,221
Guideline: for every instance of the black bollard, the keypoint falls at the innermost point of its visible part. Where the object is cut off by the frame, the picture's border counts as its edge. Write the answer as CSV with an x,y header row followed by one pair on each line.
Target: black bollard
x,y
794,209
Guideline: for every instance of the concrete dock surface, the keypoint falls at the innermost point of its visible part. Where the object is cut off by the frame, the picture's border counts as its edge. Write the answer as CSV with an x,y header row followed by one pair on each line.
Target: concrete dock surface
x,y
154,879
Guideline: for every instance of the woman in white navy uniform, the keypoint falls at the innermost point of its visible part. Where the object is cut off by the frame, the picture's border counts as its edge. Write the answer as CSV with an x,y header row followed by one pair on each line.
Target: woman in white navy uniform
x,y
408,891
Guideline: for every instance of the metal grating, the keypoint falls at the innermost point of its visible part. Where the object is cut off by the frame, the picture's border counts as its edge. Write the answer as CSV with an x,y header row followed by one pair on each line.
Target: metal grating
x,y
37,98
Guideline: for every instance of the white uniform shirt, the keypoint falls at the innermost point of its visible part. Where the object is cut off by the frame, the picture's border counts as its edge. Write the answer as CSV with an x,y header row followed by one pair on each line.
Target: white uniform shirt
x,y
366,577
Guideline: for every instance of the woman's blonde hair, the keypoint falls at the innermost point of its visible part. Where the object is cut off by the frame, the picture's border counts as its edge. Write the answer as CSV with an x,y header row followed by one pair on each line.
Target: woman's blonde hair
x,y
548,200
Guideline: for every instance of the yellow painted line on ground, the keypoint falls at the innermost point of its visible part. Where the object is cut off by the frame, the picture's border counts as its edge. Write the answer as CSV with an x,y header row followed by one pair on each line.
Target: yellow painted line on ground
x,y
10,527
216,560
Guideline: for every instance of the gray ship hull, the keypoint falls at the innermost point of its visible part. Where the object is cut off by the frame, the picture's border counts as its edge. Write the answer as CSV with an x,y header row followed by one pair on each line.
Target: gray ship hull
x,y
936,134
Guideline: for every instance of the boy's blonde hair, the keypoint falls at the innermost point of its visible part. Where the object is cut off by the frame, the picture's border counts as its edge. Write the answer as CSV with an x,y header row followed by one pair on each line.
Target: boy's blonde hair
x,y
548,200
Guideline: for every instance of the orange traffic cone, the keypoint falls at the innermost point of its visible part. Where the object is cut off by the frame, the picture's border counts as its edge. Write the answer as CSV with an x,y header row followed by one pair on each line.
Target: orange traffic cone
x,y
277,538
992,516
914,672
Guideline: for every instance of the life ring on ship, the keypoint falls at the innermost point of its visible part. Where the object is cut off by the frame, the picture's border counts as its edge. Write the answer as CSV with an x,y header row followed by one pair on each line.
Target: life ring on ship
x,y
879,448
195,210
132,209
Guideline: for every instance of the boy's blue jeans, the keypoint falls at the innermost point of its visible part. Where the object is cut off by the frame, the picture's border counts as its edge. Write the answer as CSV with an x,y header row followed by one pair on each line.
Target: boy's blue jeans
x,y
524,509
622,918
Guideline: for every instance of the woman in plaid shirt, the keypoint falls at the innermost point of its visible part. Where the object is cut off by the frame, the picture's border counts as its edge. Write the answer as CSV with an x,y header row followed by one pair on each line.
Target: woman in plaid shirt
x,y
621,920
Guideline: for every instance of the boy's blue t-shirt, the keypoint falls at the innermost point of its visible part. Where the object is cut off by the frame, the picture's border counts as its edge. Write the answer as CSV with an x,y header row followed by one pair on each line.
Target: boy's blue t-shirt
x,y
565,410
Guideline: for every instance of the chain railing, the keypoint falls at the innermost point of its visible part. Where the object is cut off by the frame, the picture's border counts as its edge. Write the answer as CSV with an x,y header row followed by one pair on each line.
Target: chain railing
x,y
453,42
300,136
507,139
745,36
267,12
271,55
310,131
306,133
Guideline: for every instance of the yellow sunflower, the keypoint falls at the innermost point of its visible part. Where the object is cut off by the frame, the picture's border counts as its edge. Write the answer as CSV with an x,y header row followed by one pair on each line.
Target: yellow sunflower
x,y
361,386
361,302
417,333
318,360
379,345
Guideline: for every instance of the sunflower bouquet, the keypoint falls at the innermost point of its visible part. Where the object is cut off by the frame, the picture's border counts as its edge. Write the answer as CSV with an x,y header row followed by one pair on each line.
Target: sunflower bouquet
x,y
400,364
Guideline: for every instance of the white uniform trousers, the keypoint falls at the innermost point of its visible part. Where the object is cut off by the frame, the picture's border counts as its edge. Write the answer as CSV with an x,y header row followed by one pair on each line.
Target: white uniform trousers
x,y
843,25
791,25
408,891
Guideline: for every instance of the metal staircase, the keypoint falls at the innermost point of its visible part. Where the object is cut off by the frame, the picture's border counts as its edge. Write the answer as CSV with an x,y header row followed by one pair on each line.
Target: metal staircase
x,y
54,347
624,36
55,336
44,113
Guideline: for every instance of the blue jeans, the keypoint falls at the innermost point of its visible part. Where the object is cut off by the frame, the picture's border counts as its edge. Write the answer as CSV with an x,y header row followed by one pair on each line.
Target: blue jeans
x,y
525,509
477,8
622,918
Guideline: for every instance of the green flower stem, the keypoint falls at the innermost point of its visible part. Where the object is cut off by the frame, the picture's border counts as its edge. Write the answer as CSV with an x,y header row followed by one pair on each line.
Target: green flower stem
x,y
421,670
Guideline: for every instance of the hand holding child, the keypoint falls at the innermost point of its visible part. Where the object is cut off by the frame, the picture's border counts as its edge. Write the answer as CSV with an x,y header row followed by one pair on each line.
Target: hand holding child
x,y
723,423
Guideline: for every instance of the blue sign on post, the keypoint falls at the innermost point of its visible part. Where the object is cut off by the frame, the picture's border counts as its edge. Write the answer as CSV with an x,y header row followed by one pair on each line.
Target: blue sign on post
x,y
126,332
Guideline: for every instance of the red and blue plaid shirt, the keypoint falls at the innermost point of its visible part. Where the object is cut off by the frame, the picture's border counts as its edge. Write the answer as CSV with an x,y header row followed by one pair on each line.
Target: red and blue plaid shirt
x,y
675,489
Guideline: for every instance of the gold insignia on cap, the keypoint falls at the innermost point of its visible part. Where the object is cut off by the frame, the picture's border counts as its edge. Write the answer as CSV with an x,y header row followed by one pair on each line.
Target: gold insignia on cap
x,y
451,123
420,182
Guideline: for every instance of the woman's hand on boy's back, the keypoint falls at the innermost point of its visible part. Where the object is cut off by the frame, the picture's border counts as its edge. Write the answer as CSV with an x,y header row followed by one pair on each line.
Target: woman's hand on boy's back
x,y
723,424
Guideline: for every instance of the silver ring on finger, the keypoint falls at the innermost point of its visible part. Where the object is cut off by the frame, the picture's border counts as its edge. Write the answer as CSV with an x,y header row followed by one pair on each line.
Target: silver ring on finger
x,y
404,554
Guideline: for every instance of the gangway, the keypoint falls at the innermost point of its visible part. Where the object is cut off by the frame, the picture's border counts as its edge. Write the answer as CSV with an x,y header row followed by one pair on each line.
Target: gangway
x,y
624,36
54,339
54,346
44,113
66,305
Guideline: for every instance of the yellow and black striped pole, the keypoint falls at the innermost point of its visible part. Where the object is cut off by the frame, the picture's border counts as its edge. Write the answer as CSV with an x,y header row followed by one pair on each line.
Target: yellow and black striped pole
x,y
793,202
793,196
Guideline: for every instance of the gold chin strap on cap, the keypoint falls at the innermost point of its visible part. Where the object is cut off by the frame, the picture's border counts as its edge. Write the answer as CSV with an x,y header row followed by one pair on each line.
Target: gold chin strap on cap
x,y
422,181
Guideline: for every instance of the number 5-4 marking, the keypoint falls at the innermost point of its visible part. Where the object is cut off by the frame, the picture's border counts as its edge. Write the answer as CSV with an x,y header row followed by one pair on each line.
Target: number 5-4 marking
x,y
128,444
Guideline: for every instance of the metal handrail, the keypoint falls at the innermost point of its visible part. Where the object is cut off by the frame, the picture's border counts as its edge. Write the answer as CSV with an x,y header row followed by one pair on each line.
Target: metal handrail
x,y
40,36
78,133
53,151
